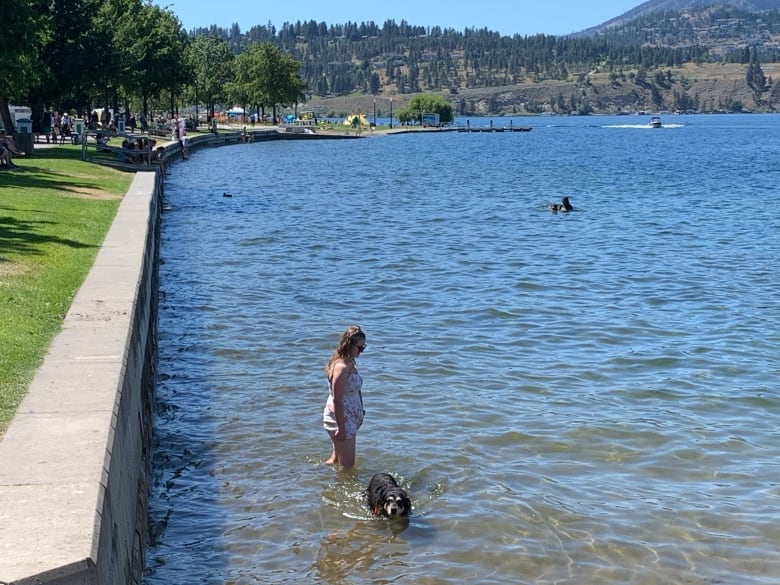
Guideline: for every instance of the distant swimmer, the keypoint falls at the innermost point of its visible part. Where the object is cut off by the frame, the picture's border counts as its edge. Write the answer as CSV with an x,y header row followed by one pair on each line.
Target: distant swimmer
x,y
564,205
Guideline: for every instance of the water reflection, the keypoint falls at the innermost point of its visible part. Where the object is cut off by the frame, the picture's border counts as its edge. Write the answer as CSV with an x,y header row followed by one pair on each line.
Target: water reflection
x,y
374,547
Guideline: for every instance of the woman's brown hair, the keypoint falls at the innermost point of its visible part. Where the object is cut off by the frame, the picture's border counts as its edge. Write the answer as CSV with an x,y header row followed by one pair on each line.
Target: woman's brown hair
x,y
342,352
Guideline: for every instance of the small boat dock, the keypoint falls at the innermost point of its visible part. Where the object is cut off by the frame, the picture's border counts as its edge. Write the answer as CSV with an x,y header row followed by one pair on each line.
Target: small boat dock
x,y
494,129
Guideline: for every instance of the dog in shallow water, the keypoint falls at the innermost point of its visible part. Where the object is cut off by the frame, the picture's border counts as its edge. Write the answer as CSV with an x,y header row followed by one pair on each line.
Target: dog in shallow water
x,y
386,498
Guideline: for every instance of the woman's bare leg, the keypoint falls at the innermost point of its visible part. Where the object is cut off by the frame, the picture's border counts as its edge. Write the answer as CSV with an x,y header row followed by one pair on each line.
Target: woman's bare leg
x,y
343,453
332,460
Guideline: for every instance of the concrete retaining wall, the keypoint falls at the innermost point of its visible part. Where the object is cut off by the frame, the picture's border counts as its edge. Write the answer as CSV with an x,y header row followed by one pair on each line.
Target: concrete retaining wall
x,y
73,463
173,151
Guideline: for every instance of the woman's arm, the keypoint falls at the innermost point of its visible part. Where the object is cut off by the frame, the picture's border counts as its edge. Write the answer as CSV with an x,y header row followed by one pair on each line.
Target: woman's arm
x,y
339,384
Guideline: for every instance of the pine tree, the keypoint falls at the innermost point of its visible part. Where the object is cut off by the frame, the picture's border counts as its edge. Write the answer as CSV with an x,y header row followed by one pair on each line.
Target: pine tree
x,y
755,75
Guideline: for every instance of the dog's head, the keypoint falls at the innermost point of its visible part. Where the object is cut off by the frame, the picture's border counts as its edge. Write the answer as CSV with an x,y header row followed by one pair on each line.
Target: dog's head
x,y
387,498
393,504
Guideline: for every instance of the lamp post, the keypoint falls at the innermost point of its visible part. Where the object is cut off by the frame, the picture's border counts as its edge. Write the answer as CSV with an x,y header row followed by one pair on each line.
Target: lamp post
x,y
391,113
374,112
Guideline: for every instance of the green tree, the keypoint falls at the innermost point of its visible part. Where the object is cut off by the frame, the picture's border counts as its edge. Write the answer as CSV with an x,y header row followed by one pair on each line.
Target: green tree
x,y
19,46
427,103
74,53
153,47
268,78
755,75
211,63
242,89
374,84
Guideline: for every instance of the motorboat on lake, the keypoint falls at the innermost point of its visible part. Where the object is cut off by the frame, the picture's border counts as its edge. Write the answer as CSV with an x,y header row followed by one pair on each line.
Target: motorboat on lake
x,y
655,122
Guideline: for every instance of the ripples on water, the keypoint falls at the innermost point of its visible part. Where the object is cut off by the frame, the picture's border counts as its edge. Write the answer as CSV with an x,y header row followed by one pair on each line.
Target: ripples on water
x,y
574,398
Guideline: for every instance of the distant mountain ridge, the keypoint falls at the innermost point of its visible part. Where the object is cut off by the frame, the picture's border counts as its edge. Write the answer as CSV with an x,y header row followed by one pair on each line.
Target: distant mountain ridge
x,y
654,6
663,55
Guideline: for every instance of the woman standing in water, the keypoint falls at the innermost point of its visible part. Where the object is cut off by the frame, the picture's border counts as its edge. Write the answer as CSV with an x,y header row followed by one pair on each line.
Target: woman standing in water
x,y
344,412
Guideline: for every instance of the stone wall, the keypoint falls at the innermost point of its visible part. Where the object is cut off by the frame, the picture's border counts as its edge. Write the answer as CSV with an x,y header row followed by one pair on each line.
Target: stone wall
x,y
73,463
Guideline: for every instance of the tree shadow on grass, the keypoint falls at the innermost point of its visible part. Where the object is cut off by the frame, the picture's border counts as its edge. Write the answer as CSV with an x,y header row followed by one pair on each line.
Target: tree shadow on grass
x,y
32,172
24,237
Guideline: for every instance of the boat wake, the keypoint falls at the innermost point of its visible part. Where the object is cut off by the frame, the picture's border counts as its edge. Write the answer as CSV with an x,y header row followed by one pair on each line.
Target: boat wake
x,y
642,126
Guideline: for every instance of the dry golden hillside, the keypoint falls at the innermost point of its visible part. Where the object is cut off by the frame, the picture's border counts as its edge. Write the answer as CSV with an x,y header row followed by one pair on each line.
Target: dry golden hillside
x,y
704,88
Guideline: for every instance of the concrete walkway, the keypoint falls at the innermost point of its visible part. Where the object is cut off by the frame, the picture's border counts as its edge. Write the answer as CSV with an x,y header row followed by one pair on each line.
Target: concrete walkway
x,y
62,515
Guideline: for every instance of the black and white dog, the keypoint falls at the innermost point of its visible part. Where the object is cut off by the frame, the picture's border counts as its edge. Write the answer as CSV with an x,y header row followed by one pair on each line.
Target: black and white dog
x,y
386,498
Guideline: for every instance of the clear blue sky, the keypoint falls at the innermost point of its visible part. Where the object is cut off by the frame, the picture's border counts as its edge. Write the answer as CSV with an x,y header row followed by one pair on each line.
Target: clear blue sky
x,y
508,17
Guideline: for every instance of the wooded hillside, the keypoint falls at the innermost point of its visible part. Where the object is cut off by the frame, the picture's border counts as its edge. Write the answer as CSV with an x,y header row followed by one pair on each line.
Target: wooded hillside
x,y
648,63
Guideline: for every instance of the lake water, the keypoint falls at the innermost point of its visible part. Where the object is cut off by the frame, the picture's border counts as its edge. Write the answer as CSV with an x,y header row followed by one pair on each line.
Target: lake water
x,y
576,398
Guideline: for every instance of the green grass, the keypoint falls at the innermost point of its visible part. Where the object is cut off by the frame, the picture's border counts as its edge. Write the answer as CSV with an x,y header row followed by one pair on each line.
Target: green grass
x,y
55,211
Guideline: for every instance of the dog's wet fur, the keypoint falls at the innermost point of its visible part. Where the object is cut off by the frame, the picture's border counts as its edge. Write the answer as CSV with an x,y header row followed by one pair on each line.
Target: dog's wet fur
x,y
386,498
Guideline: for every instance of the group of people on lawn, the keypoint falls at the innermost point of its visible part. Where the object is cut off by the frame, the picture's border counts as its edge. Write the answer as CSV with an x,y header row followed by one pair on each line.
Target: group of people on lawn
x,y
141,151
138,151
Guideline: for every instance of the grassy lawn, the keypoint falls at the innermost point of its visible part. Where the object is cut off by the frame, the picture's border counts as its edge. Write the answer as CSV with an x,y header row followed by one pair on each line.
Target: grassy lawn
x,y
55,211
